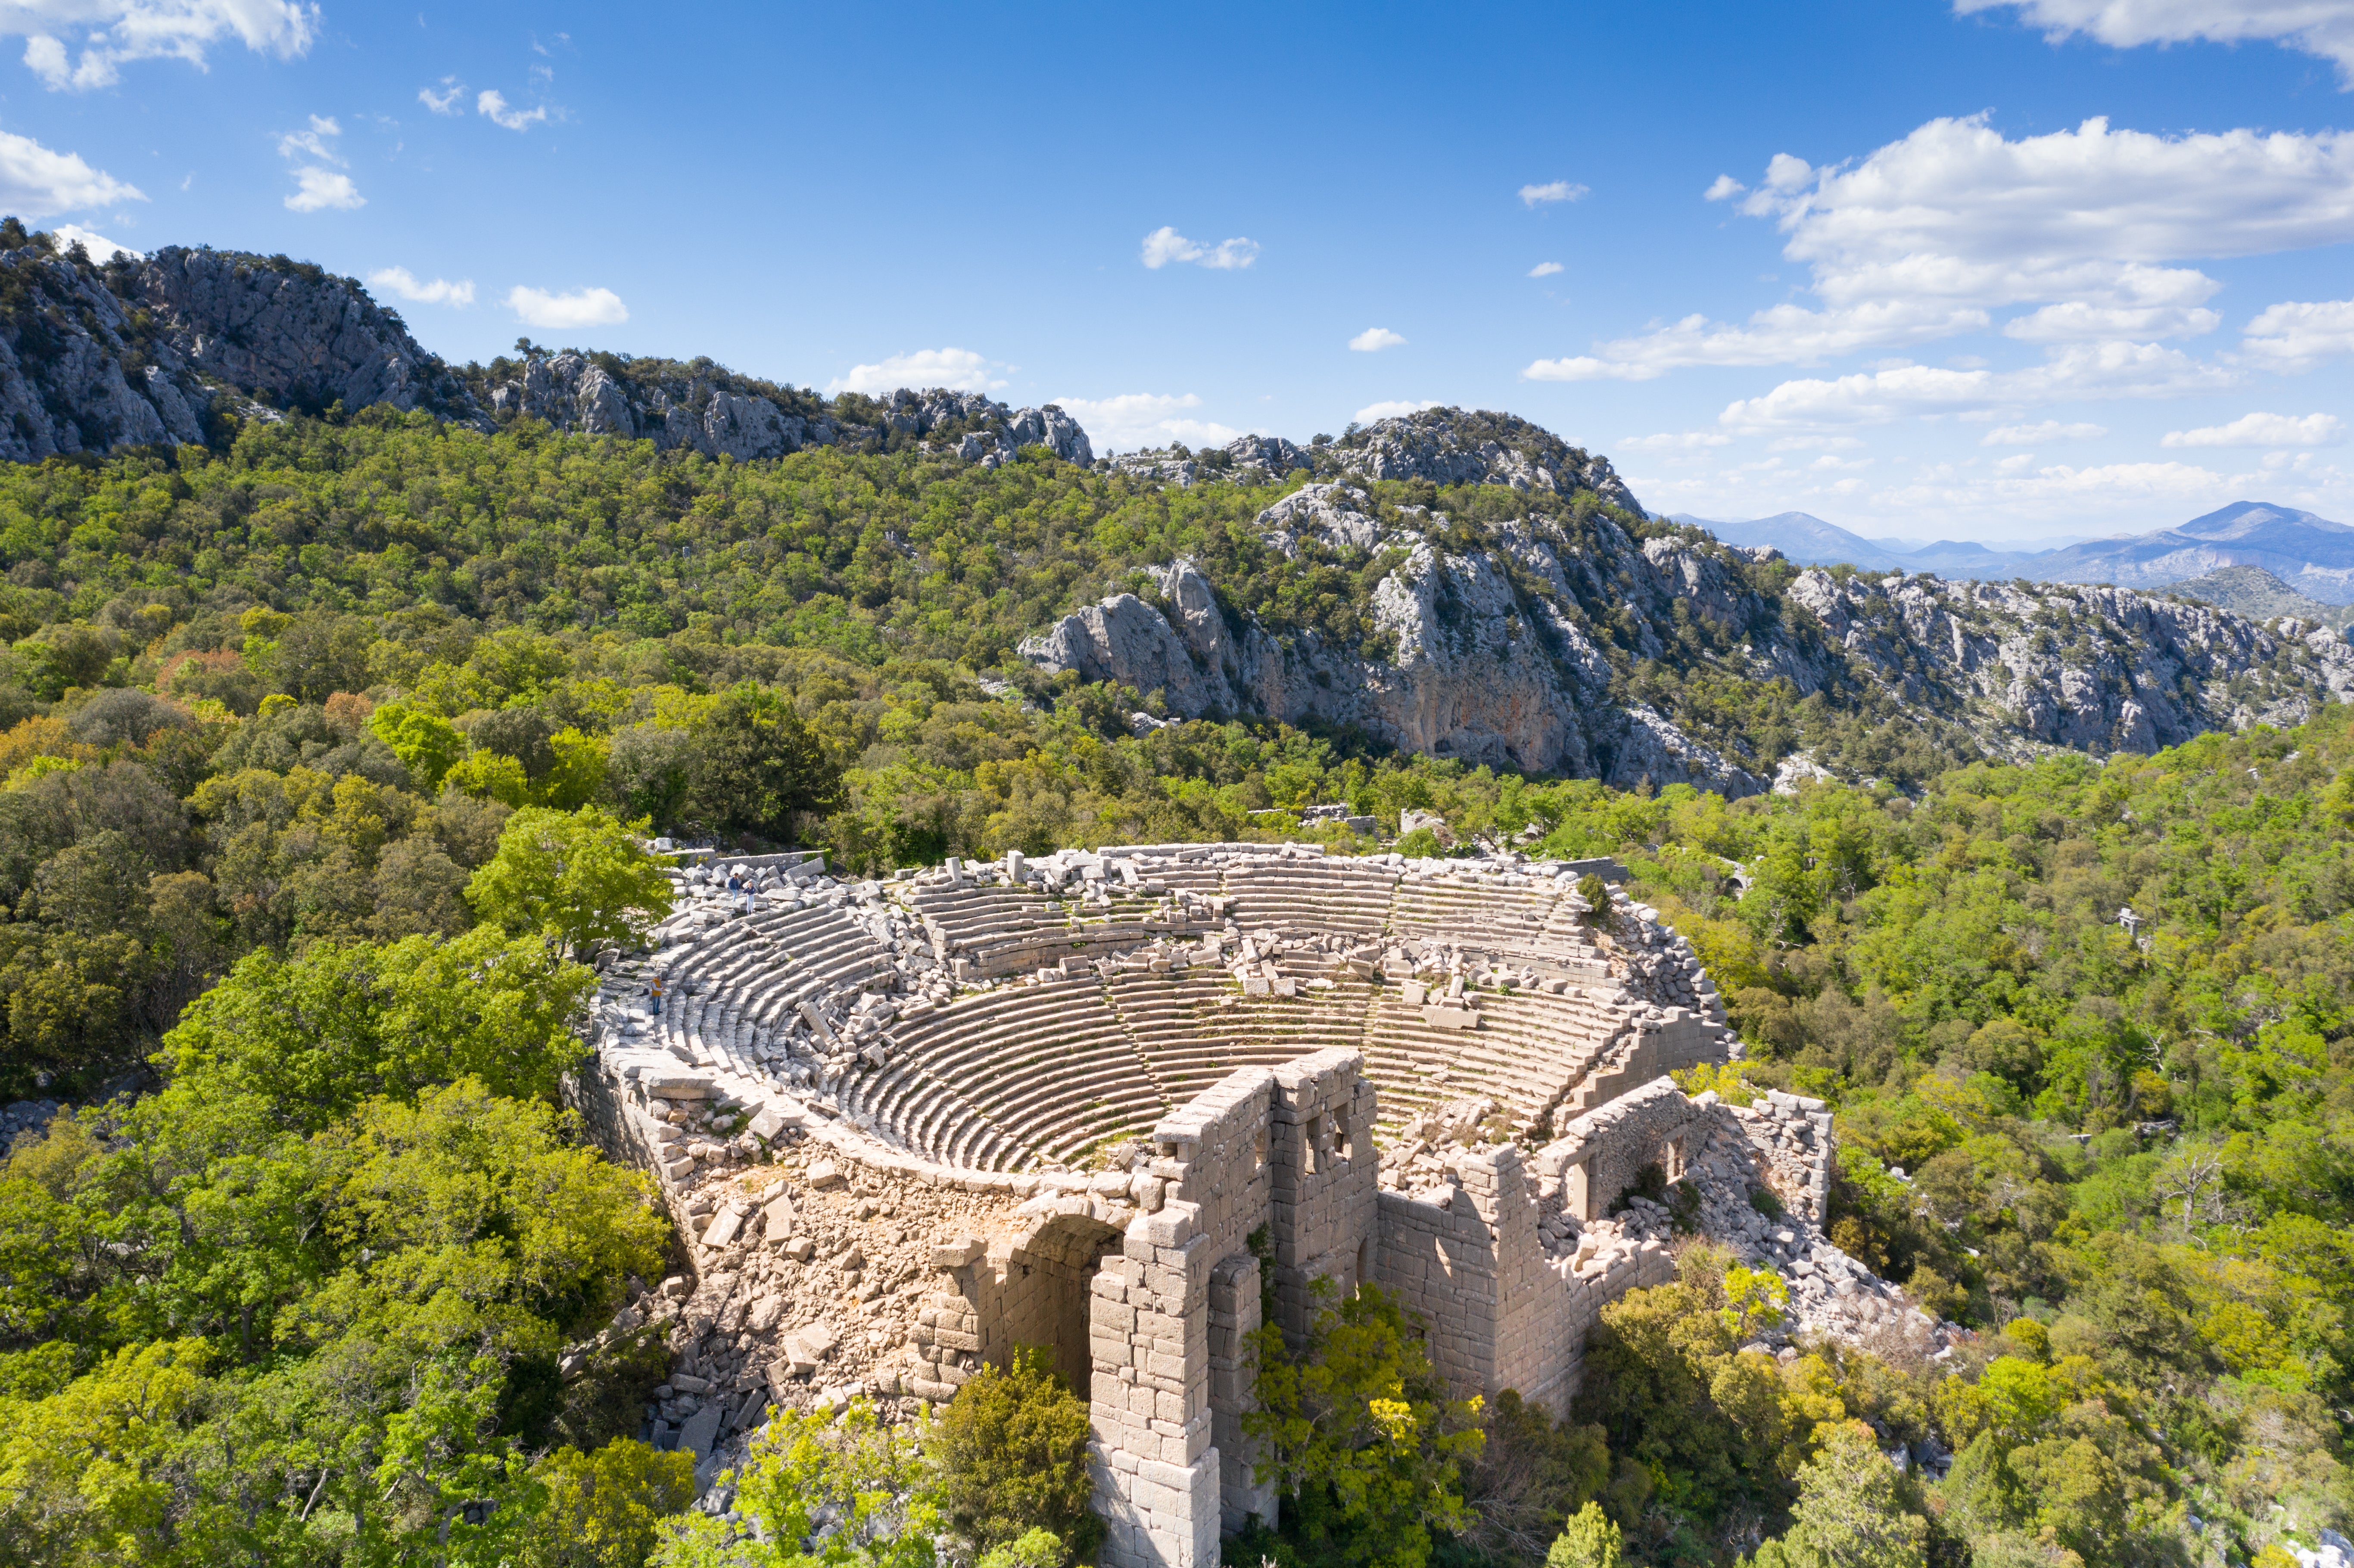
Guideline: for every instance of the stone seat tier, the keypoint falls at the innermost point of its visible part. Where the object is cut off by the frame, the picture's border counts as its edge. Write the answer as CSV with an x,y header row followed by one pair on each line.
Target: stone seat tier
x,y
1496,918
1038,1062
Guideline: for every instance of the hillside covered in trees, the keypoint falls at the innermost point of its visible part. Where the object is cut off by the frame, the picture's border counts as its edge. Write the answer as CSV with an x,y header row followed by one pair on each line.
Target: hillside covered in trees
x,y
275,711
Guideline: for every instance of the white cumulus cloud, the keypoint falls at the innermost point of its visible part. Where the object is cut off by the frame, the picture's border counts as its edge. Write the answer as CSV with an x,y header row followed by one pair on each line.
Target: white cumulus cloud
x,y
37,180
440,291
110,34
957,369
1554,191
1723,188
1133,419
580,308
312,143
1928,236
2041,433
1394,409
1165,245
2299,334
2265,430
1545,269
493,105
446,100
2100,370
98,246
316,189
2323,27
1373,340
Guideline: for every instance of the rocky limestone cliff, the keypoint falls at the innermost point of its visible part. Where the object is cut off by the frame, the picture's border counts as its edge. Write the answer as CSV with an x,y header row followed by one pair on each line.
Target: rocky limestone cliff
x,y
1533,649
291,333
137,352
142,350
1440,446
700,405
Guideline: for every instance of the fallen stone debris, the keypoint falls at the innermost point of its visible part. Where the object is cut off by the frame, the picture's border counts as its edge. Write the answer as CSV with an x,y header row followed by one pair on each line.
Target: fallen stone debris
x,y
906,1125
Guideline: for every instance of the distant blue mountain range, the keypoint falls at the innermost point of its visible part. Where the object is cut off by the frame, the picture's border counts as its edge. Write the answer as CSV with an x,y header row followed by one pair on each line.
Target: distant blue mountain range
x,y
2309,553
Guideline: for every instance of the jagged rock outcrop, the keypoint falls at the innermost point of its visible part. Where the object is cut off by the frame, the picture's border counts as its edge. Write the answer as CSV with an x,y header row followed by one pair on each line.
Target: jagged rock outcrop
x,y
1477,667
1530,651
78,373
136,353
697,403
1444,446
1457,446
140,350
291,333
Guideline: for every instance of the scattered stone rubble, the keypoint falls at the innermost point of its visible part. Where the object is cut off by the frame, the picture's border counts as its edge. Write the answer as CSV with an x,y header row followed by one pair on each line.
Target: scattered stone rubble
x,y
905,1125
25,1119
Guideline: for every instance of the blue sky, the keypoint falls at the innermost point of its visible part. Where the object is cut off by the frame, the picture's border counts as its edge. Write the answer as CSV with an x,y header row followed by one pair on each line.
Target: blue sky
x,y
1925,267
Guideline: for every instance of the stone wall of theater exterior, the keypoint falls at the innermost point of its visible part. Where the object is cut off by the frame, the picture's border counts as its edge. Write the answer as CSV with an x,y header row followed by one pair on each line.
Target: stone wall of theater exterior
x,y
1289,1149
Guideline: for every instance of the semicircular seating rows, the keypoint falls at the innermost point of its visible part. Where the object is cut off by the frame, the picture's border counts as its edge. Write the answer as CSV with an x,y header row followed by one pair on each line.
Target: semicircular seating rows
x,y
1080,1018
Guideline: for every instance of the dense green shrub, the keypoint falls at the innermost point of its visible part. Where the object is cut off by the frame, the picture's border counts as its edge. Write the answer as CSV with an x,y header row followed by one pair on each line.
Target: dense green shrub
x,y
1011,1452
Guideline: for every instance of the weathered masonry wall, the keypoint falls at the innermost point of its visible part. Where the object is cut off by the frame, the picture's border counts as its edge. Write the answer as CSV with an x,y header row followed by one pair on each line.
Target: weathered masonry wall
x,y
1289,1149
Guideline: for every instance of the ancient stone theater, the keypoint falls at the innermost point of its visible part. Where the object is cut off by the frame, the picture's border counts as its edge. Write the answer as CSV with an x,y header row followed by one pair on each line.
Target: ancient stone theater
x,y
913,1124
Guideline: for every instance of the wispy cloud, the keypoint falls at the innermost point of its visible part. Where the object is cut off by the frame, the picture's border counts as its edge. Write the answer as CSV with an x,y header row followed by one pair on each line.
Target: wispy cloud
x,y
98,246
400,280
1545,269
1676,441
2324,28
37,180
316,189
312,142
1554,191
580,308
113,33
1394,409
316,186
957,369
446,100
493,105
2265,430
1132,419
1373,340
1165,245
2041,433
2298,334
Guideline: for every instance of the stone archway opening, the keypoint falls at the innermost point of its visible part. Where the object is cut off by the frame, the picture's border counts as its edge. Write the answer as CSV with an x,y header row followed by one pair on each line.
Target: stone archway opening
x,y
1049,1287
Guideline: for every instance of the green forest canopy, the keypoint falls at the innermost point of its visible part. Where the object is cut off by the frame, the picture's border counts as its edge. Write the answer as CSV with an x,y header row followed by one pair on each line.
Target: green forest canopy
x,y
270,715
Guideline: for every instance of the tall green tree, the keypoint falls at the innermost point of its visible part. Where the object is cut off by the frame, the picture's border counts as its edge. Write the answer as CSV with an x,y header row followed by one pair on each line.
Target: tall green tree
x,y
1852,1510
575,878
761,765
1361,1435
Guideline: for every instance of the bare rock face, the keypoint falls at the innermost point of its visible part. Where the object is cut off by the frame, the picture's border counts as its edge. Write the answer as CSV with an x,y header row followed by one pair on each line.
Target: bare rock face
x,y
1457,446
718,413
290,332
1497,654
1443,446
72,372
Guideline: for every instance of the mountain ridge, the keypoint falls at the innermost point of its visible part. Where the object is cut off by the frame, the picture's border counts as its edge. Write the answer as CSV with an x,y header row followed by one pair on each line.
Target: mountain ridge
x,y
1458,582
2309,553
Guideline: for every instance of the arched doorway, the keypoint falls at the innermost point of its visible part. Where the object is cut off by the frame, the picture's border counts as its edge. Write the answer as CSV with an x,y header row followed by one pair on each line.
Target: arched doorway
x,y
1049,1283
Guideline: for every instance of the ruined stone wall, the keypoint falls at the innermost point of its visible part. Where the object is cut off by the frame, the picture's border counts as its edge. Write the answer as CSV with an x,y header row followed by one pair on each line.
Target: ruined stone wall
x,y
1602,1154
1289,1149
1324,1183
